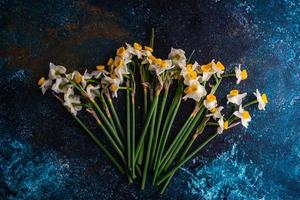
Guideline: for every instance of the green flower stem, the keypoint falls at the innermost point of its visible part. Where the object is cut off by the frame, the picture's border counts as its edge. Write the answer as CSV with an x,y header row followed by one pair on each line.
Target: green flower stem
x,y
110,128
128,129
152,38
146,166
146,124
115,115
182,140
228,75
105,107
100,145
132,150
250,103
167,127
179,164
159,120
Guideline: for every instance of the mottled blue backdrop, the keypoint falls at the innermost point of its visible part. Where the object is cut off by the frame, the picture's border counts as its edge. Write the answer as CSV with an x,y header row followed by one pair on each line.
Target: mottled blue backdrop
x,y
45,155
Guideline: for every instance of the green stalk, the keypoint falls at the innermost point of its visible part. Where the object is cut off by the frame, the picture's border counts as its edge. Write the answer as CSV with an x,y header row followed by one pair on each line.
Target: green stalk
x,y
100,145
146,124
105,107
111,129
115,115
148,149
132,150
128,123
159,120
179,164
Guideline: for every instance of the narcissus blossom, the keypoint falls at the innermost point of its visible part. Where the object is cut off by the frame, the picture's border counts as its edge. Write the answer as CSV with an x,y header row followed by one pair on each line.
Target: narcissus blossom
x,y
235,97
243,115
262,100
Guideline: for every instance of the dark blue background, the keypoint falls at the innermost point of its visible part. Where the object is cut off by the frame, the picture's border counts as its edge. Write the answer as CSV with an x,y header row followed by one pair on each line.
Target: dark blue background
x,y
45,155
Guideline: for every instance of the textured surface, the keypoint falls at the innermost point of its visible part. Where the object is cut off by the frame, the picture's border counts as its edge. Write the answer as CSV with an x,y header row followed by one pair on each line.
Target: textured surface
x,y
44,155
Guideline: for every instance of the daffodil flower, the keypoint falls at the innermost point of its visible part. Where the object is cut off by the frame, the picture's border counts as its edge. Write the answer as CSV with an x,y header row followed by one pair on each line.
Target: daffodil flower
x,y
120,68
92,91
195,91
44,84
189,74
210,102
100,69
223,125
136,50
216,112
114,82
178,57
147,51
159,66
61,85
72,102
243,115
207,71
55,71
262,100
240,74
235,98
218,68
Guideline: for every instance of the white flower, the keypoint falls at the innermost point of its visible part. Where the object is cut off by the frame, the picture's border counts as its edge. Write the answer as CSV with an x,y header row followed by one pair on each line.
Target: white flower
x,y
222,125
243,115
100,70
178,57
61,85
261,99
147,51
136,50
196,91
159,66
44,84
235,98
207,71
189,74
218,68
120,68
210,102
92,91
216,112
55,71
114,84
72,102
240,74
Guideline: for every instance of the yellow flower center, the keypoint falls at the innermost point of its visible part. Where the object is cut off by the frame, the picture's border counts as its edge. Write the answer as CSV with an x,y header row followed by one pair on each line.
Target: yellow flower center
x,y
189,67
119,63
190,89
234,92
220,66
213,110
78,77
245,115
41,81
152,58
113,87
100,67
113,76
110,62
137,46
211,97
121,51
264,98
192,75
163,64
244,74
206,68
225,126
148,49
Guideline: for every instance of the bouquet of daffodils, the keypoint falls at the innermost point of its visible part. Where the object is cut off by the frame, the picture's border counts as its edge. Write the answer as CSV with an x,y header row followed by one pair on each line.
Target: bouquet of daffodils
x,y
140,154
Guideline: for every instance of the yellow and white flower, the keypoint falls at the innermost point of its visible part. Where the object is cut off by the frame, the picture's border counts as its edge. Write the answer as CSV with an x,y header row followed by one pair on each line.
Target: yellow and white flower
x,y
136,50
218,68
189,74
207,71
120,68
61,85
72,102
262,100
243,115
178,57
216,112
159,66
210,102
92,91
147,51
195,91
114,82
223,125
44,84
100,69
55,71
235,98
240,74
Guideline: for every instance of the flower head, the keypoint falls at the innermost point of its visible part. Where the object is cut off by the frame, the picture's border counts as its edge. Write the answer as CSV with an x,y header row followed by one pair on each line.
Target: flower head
x,y
44,84
240,74
114,82
216,112
235,97
61,85
262,100
207,71
72,102
223,125
243,115
55,71
178,57
195,91
92,91
218,68
210,102
189,74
